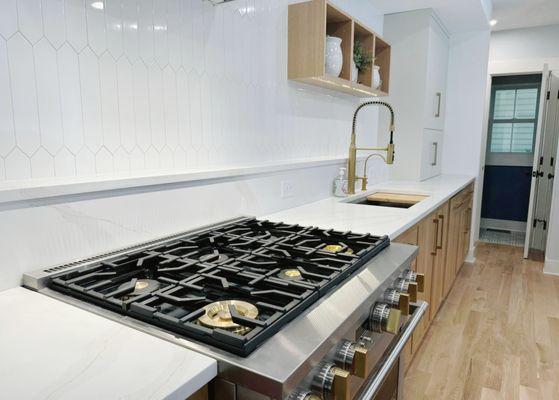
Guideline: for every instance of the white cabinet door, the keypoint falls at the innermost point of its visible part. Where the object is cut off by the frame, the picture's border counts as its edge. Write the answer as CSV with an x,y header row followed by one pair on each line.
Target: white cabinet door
x,y
431,151
437,65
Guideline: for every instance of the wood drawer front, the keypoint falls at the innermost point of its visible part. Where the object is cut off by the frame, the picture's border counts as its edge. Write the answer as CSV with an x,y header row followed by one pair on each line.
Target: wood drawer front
x,y
462,197
411,236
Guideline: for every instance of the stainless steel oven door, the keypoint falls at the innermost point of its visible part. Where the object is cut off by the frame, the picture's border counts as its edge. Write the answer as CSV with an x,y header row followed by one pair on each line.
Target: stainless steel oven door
x,y
386,382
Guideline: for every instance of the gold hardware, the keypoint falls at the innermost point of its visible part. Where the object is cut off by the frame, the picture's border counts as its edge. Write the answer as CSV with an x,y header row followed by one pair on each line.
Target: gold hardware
x,y
436,242
393,324
218,315
412,291
352,160
440,246
404,303
420,279
360,362
335,248
341,384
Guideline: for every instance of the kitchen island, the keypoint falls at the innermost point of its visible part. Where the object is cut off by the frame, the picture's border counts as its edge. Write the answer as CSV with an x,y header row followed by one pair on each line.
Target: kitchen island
x,y
52,350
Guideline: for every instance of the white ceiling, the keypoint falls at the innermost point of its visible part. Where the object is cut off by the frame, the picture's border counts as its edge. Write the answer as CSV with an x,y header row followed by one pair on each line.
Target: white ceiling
x,y
457,15
513,14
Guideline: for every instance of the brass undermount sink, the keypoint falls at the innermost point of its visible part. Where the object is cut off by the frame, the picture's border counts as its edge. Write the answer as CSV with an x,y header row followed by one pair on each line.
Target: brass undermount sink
x,y
394,200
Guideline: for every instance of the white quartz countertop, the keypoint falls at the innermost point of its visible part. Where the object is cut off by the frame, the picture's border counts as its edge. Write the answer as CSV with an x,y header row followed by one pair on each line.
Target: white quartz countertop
x,y
337,213
52,350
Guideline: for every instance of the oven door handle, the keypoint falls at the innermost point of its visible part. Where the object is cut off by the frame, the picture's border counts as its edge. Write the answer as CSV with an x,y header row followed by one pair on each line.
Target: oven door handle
x,y
373,385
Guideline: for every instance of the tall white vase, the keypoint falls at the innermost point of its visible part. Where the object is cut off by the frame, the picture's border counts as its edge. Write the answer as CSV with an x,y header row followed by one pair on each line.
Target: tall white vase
x,y
376,77
333,57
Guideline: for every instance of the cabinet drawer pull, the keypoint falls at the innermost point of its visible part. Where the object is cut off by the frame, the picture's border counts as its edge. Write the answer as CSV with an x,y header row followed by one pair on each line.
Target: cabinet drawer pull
x,y
440,246
436,241
438,97
435,153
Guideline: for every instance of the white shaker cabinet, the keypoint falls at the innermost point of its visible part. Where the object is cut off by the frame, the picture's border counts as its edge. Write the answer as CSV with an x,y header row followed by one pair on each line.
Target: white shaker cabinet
x,y
420,46
437,65
431,153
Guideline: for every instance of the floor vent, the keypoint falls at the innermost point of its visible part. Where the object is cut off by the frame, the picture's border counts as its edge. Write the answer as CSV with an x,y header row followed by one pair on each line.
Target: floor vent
x,y
500,236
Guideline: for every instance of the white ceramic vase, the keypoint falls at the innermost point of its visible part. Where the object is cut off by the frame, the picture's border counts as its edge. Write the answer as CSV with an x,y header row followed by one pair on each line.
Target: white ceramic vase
x,y
333,57
376,77
354,72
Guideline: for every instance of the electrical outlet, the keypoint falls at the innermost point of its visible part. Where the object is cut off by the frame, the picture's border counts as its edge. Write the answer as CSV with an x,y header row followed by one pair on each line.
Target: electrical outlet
x,y
287,189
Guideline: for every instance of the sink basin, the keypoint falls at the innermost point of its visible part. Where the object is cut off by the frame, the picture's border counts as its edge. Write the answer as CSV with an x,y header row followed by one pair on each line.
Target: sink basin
x,y
394,200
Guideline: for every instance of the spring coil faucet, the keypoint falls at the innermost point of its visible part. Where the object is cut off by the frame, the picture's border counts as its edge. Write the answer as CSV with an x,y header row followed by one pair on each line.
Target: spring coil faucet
x,y
352,161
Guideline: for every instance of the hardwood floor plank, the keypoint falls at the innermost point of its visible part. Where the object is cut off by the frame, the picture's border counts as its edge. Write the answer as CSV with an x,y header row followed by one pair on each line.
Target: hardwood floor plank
x,y
495,337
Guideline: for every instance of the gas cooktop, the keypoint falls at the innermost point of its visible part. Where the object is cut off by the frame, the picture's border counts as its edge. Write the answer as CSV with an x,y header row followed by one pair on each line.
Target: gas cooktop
x,y
231,286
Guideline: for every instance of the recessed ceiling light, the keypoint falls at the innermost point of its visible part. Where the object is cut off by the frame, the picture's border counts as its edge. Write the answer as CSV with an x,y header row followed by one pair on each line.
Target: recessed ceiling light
x,y
98,5
493,22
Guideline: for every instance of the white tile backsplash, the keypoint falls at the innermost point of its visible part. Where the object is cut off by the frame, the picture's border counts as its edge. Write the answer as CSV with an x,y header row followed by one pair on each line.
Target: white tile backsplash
x,y
8,17
30,19
144,84
54,22
156,87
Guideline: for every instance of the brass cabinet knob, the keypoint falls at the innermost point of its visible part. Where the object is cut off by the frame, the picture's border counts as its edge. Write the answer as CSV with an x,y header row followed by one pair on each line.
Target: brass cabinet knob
x,y
360,362
383,318
420,279
397,299
404,303
412,276
341,384
331,382
412,291
351,357
393,324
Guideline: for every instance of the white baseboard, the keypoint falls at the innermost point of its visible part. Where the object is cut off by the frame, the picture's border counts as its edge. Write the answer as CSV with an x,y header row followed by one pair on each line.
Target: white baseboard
x,y
471,257
551,267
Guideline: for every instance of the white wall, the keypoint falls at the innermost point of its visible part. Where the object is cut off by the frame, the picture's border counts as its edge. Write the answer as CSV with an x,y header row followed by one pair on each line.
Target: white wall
x,y
521,51
136,92
465,107
157,85
524,50
465,110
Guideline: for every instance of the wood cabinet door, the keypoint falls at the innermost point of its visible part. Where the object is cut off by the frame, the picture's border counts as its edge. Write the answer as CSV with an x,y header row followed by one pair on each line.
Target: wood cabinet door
x,y
411,236
435,82
454,245
466,230
439,265
424,265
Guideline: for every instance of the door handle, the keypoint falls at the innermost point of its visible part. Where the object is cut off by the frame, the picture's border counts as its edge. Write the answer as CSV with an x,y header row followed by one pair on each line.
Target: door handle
x,y
436,154
537,174
550,176
438,96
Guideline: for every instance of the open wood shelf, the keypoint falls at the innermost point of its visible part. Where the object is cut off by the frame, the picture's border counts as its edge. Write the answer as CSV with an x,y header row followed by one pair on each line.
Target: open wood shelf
x,y
309,23
367,40
382,59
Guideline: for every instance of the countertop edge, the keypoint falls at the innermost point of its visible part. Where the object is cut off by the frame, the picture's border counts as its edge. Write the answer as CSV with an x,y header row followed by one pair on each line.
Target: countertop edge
x,y
422,215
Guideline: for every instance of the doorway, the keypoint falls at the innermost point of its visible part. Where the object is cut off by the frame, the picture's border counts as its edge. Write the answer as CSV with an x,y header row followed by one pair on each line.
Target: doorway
x,y
511,139
521,151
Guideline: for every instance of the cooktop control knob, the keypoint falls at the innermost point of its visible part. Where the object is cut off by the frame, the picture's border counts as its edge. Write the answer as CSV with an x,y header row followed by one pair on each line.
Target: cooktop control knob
x,y
404,286
332,382
412,276
352,357
383,318
397,299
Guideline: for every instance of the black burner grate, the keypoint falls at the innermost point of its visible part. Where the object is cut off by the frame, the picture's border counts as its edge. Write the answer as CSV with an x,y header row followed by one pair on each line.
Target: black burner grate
x,y
278,268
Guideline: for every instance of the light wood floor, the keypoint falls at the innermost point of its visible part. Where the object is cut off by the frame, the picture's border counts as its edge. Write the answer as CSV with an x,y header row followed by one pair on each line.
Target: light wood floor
x,y
495,337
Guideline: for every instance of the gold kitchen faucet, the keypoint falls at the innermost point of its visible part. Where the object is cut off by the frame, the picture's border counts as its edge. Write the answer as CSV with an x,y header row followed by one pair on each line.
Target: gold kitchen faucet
x,y
352,161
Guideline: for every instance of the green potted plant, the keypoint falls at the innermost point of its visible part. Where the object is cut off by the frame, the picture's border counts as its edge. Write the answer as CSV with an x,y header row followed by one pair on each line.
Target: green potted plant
x,y
361,60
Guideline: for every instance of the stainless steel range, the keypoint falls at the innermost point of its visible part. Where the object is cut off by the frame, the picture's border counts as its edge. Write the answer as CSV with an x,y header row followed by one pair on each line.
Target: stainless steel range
x,y
288,311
